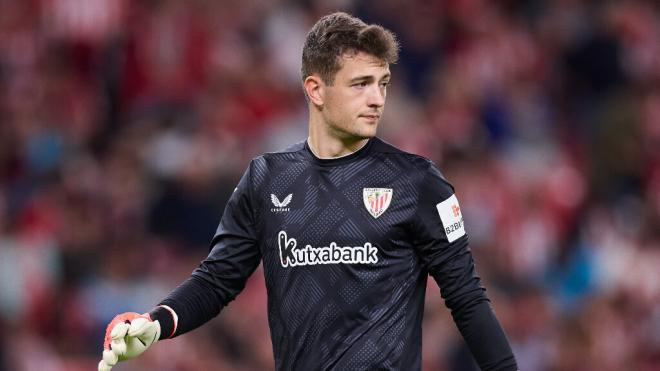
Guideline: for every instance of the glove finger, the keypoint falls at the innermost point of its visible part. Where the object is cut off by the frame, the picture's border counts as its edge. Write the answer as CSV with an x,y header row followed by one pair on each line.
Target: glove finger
x,y
119,331
145,330
150,336
135,347
109,358
103,366
118,346
139,326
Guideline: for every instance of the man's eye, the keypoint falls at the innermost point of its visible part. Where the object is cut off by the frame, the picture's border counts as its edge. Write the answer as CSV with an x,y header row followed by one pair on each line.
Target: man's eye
x,y
362,84
384,84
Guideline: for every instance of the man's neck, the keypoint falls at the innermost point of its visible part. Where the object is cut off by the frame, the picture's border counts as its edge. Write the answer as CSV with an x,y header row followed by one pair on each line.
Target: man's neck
x,y
325,144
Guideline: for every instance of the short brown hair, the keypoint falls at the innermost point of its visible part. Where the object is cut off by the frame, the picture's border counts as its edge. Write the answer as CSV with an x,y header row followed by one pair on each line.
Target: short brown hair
x,y
339,33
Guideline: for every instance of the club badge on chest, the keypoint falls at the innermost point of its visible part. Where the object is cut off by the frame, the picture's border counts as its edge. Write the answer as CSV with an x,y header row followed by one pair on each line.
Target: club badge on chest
x,y
377,200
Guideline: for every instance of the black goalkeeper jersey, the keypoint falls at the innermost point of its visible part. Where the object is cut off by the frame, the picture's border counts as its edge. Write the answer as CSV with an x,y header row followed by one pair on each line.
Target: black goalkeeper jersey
x,y
347,245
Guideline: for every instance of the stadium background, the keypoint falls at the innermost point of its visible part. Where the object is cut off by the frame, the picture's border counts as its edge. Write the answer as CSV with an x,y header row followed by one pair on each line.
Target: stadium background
x,y
125,125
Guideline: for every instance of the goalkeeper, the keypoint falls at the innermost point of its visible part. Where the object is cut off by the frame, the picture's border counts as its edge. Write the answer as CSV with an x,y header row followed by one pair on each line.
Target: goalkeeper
x,y
348,229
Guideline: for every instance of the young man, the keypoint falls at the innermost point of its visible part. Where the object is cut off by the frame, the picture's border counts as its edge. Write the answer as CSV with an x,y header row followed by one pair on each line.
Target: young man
x,y
347,227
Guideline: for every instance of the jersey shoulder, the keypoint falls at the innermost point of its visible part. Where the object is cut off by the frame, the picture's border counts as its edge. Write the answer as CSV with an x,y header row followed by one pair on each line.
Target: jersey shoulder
x,y
415,161
290,153
286,153
419,166
262,167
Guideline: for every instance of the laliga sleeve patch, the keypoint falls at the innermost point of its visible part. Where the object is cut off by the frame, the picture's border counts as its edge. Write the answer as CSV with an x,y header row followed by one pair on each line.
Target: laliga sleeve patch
x,y
452,218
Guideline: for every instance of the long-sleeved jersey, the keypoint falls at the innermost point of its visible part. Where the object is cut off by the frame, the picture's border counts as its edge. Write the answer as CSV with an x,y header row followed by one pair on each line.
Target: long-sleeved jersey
x,y
347,245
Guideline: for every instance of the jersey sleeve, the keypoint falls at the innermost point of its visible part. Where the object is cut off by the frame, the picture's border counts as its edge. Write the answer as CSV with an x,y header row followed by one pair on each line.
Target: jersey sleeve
x,y
442,245
222,275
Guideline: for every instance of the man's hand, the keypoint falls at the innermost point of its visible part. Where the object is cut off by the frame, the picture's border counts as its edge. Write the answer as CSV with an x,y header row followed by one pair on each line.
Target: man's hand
x,y
127,336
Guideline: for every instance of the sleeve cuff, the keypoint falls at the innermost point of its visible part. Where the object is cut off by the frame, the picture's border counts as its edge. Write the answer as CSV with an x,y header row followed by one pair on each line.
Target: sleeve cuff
x,y
168,320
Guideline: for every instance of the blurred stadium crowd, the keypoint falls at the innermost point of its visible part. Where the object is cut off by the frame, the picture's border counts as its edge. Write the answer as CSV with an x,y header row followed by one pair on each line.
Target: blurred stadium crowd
x,y
125,125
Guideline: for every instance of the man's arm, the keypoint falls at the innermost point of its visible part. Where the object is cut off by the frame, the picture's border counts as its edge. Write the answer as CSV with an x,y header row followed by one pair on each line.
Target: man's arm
x,y
218,280
443,247
464,295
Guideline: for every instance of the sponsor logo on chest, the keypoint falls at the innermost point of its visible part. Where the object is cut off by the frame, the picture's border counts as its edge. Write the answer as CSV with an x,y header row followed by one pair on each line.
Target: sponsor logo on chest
x,y
292,255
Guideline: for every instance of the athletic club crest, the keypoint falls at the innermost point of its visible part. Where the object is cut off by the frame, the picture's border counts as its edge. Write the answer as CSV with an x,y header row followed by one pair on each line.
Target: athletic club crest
x,y
377,200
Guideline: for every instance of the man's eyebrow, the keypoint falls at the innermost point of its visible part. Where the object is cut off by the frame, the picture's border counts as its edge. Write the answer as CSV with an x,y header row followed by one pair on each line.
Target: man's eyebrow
x,y
368,78
362,78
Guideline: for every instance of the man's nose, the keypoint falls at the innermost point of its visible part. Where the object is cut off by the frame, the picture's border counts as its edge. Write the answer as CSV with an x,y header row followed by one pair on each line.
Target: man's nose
x,y
376,96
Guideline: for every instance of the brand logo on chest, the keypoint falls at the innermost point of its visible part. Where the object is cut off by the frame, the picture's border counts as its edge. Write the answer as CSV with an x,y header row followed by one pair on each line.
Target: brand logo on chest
x,y
280,206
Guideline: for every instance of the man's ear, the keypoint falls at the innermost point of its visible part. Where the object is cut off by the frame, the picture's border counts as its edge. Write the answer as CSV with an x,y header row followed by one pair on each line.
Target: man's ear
x,y
314,87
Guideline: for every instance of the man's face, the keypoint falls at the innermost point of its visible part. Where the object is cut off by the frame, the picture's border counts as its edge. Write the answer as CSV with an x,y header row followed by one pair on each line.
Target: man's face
x,y
353,104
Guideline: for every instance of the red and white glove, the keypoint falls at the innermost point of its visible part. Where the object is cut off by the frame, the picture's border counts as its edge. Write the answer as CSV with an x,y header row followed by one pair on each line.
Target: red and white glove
x,y
127,336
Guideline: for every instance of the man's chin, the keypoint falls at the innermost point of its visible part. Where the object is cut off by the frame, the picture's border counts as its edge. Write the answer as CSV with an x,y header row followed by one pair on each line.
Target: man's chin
x,y
359,132
369,131
363,136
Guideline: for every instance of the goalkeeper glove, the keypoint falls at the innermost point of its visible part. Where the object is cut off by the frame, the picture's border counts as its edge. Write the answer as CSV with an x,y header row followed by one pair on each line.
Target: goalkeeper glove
x,y
127,336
